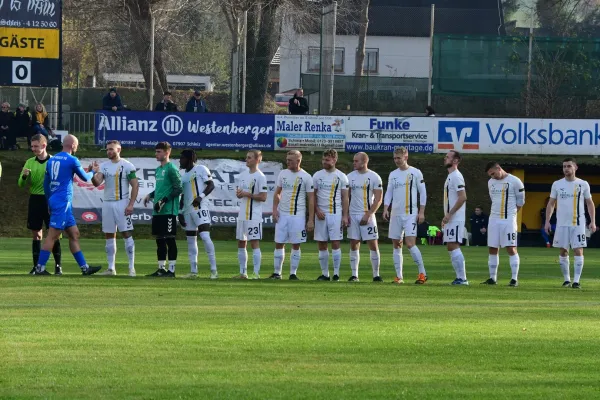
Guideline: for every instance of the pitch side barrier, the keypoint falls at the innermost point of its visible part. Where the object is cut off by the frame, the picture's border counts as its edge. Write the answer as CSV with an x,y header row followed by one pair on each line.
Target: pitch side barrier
x,y
350,133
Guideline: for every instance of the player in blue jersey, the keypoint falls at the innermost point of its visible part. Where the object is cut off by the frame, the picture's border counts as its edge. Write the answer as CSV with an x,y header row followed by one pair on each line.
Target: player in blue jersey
x,y
58,188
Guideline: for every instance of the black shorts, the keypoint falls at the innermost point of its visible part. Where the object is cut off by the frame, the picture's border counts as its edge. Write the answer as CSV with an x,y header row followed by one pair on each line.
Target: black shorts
x,y
37,214
164,225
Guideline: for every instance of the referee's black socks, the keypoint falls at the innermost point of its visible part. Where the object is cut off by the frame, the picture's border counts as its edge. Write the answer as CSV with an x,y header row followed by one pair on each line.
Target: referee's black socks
x,y
36,246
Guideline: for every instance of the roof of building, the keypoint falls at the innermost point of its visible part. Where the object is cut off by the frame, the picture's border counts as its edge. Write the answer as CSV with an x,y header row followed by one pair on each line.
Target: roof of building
x,y
411,18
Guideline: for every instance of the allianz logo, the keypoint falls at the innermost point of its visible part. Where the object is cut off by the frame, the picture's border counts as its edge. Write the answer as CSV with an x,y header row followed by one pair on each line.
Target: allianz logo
x,y
171,125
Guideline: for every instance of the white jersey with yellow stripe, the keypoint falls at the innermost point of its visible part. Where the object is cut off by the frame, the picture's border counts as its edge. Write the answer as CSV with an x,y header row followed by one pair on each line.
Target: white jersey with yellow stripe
x,y
402,189
454,183
570,199
362,187
506,194
329,186
194,183
294,186
116,179
254,183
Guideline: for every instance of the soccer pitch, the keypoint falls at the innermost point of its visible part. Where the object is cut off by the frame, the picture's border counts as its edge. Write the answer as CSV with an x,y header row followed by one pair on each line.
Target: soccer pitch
x,y
120,337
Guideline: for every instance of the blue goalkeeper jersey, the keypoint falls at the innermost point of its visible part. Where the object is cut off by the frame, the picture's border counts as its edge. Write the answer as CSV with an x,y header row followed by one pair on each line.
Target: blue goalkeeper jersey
x,y
58,182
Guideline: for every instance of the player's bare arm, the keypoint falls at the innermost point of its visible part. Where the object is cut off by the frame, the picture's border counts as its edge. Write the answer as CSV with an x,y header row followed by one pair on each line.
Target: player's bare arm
x,y
461,199
388,198
378,194
549,211
345,208
210,186
98,177
421,217
318,212
310,224
276,199
591,208
135,189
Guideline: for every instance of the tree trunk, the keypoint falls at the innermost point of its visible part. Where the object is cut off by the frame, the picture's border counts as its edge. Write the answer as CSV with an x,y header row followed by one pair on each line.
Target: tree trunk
x,y
360,52
260,52
140,12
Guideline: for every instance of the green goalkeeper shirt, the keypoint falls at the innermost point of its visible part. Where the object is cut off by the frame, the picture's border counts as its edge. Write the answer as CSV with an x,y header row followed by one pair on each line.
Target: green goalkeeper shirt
x,y
36,176
168,185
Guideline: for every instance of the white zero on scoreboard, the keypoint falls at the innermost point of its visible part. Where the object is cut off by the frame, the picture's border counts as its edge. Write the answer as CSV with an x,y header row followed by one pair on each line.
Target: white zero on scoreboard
x,y
21,72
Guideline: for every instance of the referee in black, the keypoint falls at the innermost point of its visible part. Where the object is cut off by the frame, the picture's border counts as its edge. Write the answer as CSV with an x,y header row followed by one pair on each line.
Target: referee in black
x,y
37,216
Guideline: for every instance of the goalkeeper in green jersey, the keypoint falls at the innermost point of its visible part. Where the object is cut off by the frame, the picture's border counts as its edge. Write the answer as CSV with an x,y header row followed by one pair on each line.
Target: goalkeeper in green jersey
x,y
32,175
166,208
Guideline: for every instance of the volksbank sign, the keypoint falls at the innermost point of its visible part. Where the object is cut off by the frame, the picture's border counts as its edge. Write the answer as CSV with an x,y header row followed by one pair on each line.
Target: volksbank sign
x,y
208,130
519,136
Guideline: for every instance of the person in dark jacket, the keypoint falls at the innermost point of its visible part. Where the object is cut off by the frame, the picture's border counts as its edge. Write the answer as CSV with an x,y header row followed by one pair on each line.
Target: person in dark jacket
x,y
112,101
298,103
6,137
195,104
21,125
41,122
166,104
479,224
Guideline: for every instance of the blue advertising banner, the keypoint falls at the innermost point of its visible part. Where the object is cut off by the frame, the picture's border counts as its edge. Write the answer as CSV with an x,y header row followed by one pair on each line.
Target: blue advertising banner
x,y
207,130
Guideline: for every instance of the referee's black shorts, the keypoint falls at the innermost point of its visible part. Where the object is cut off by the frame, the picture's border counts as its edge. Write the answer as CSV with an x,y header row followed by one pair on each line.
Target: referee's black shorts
x,y
37,214
164,226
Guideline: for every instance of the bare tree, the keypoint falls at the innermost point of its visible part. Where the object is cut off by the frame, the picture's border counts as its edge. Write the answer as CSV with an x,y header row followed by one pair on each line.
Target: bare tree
x,y
360,50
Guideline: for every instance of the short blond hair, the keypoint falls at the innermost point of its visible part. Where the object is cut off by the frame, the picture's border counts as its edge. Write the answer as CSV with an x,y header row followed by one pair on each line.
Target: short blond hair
x,y
256,153
294,153
400,150
331,153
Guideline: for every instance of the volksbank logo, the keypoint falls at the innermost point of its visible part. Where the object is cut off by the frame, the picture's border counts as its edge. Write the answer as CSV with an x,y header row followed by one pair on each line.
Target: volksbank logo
x,y
171,125
458,135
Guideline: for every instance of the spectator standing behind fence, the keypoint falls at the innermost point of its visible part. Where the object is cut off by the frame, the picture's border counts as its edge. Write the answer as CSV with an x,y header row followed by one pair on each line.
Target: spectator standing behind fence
x,y
166,104
112,101
7,141
479,224
22,123
41,122
429,111
298,103
195,104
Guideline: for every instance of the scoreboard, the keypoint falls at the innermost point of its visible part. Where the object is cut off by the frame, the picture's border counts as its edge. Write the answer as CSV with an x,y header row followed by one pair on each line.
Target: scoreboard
x,y
30,43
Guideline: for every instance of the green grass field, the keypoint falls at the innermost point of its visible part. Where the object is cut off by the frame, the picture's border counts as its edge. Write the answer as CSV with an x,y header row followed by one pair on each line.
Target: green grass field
x,y
99,338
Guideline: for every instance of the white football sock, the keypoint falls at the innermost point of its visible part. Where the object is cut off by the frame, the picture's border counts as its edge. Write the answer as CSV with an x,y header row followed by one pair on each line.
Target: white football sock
x,y
398,262
578,267
111,252
337,261
418,259
324,262
161,264
278,258
209,248
130,250
564,267
172,266
458,262
256,258
375,261
193,253
243,259
493,261
514,266
354,260
295,261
